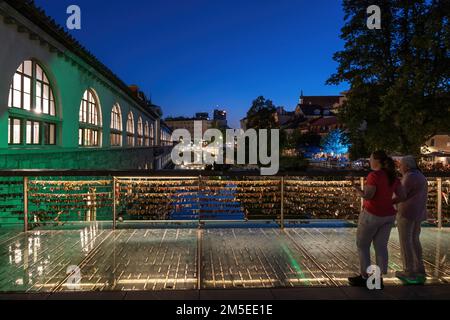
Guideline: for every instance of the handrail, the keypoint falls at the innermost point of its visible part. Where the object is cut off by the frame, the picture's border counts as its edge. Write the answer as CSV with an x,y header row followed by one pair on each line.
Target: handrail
x,y
192,173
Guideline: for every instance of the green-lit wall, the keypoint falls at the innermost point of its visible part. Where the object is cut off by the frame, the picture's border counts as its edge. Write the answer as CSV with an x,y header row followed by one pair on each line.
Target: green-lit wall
x,y
70,77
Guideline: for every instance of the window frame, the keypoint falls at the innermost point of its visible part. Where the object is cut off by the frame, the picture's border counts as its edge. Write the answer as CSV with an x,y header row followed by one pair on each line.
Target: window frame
x,y
28,78
131,137
140,133
33,80
90,121
116,131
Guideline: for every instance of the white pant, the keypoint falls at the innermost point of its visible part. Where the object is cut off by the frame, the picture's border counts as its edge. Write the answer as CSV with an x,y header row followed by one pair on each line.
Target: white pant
x,y
376,230
411,249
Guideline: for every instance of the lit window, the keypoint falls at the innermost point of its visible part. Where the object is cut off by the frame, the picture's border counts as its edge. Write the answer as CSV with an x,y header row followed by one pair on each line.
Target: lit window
x,y
116,126
49,134
33,132
147,134
140,133
30,90
14,131
152,135
130,130
90,123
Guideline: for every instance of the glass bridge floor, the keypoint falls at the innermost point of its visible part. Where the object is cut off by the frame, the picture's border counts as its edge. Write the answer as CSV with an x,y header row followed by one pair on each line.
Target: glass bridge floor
x,y
93,259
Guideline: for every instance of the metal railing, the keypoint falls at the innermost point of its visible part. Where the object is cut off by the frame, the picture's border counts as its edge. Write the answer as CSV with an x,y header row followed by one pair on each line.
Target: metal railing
x,y
62,196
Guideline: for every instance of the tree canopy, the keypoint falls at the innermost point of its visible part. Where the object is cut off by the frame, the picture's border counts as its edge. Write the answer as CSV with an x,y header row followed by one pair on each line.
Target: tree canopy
x,y
398,76
335,143
261,114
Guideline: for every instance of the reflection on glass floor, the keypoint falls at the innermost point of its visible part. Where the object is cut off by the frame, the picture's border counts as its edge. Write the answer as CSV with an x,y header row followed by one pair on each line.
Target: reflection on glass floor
x,y
165,259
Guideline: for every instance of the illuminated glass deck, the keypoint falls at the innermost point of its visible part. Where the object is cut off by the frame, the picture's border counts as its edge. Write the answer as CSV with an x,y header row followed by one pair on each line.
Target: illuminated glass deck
x,y
168,259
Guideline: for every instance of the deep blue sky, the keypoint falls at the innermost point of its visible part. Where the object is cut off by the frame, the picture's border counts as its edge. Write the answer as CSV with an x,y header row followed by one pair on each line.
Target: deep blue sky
x,y
194,55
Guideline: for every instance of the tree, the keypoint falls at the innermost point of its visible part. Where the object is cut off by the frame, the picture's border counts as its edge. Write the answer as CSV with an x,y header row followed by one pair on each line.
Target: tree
x,y
261,114
399,75
335,143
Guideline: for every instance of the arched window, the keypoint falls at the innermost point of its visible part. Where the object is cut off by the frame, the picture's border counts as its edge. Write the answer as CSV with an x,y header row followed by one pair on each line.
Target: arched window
x,y
163,137
130,130
30,91
140,133
152,135
147,134
90,121
116,126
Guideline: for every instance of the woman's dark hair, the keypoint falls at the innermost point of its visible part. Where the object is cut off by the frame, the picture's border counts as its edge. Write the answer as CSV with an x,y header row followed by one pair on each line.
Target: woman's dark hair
x,y
387,164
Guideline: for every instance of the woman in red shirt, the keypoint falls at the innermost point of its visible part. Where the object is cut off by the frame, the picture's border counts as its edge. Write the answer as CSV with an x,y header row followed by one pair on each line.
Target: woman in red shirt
x,y
378,215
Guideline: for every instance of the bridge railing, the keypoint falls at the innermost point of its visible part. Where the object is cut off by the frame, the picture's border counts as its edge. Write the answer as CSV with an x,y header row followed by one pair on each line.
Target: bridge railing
x,y
53,198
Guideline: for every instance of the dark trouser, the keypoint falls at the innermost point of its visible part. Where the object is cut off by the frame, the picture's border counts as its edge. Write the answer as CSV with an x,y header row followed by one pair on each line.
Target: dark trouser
x,y
411,249
372,228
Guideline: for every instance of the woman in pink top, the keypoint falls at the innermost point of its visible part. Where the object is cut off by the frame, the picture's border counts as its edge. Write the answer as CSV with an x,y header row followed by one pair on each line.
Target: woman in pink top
x,y
378,216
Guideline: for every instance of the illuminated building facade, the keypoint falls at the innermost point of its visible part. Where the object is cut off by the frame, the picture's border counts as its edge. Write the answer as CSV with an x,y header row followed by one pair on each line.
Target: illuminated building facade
x,y
61,108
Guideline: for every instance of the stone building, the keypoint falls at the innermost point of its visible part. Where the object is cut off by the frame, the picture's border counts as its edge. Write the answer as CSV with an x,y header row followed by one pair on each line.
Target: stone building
x,y
61,108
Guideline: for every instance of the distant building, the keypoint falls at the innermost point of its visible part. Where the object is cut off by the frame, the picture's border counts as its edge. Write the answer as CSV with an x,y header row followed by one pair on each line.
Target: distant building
x,y
220,119
220,115
324,125
314,107
202,115
328,102
282,116
437,149
188,124
439,143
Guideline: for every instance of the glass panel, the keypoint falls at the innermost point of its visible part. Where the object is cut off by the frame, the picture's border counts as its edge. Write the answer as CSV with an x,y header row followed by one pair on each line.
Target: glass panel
x,y
52,108
27,101
87,133
94,115
80,137
45,91
26,85
29,132
38,89
17,99
81,113
17,127
27,68
36,132
17,82
10,104
45,107
38,73
52,134
9,131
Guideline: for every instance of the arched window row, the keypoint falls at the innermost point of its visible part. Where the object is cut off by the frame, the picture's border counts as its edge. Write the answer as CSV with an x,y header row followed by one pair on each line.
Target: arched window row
x,y
33,117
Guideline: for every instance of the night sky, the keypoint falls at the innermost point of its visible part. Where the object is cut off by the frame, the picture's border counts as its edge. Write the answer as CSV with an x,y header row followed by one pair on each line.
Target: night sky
x,y
195,55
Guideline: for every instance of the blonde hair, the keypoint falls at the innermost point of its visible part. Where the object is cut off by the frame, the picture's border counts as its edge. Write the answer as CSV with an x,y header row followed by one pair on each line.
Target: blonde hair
x,y
410,162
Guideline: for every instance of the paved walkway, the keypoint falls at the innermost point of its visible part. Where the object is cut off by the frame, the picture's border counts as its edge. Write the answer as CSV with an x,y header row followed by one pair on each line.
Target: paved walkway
x,y
303,262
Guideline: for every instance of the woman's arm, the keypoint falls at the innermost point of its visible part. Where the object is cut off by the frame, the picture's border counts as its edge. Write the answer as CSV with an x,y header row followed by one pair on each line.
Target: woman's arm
x,y
367,193
400,194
